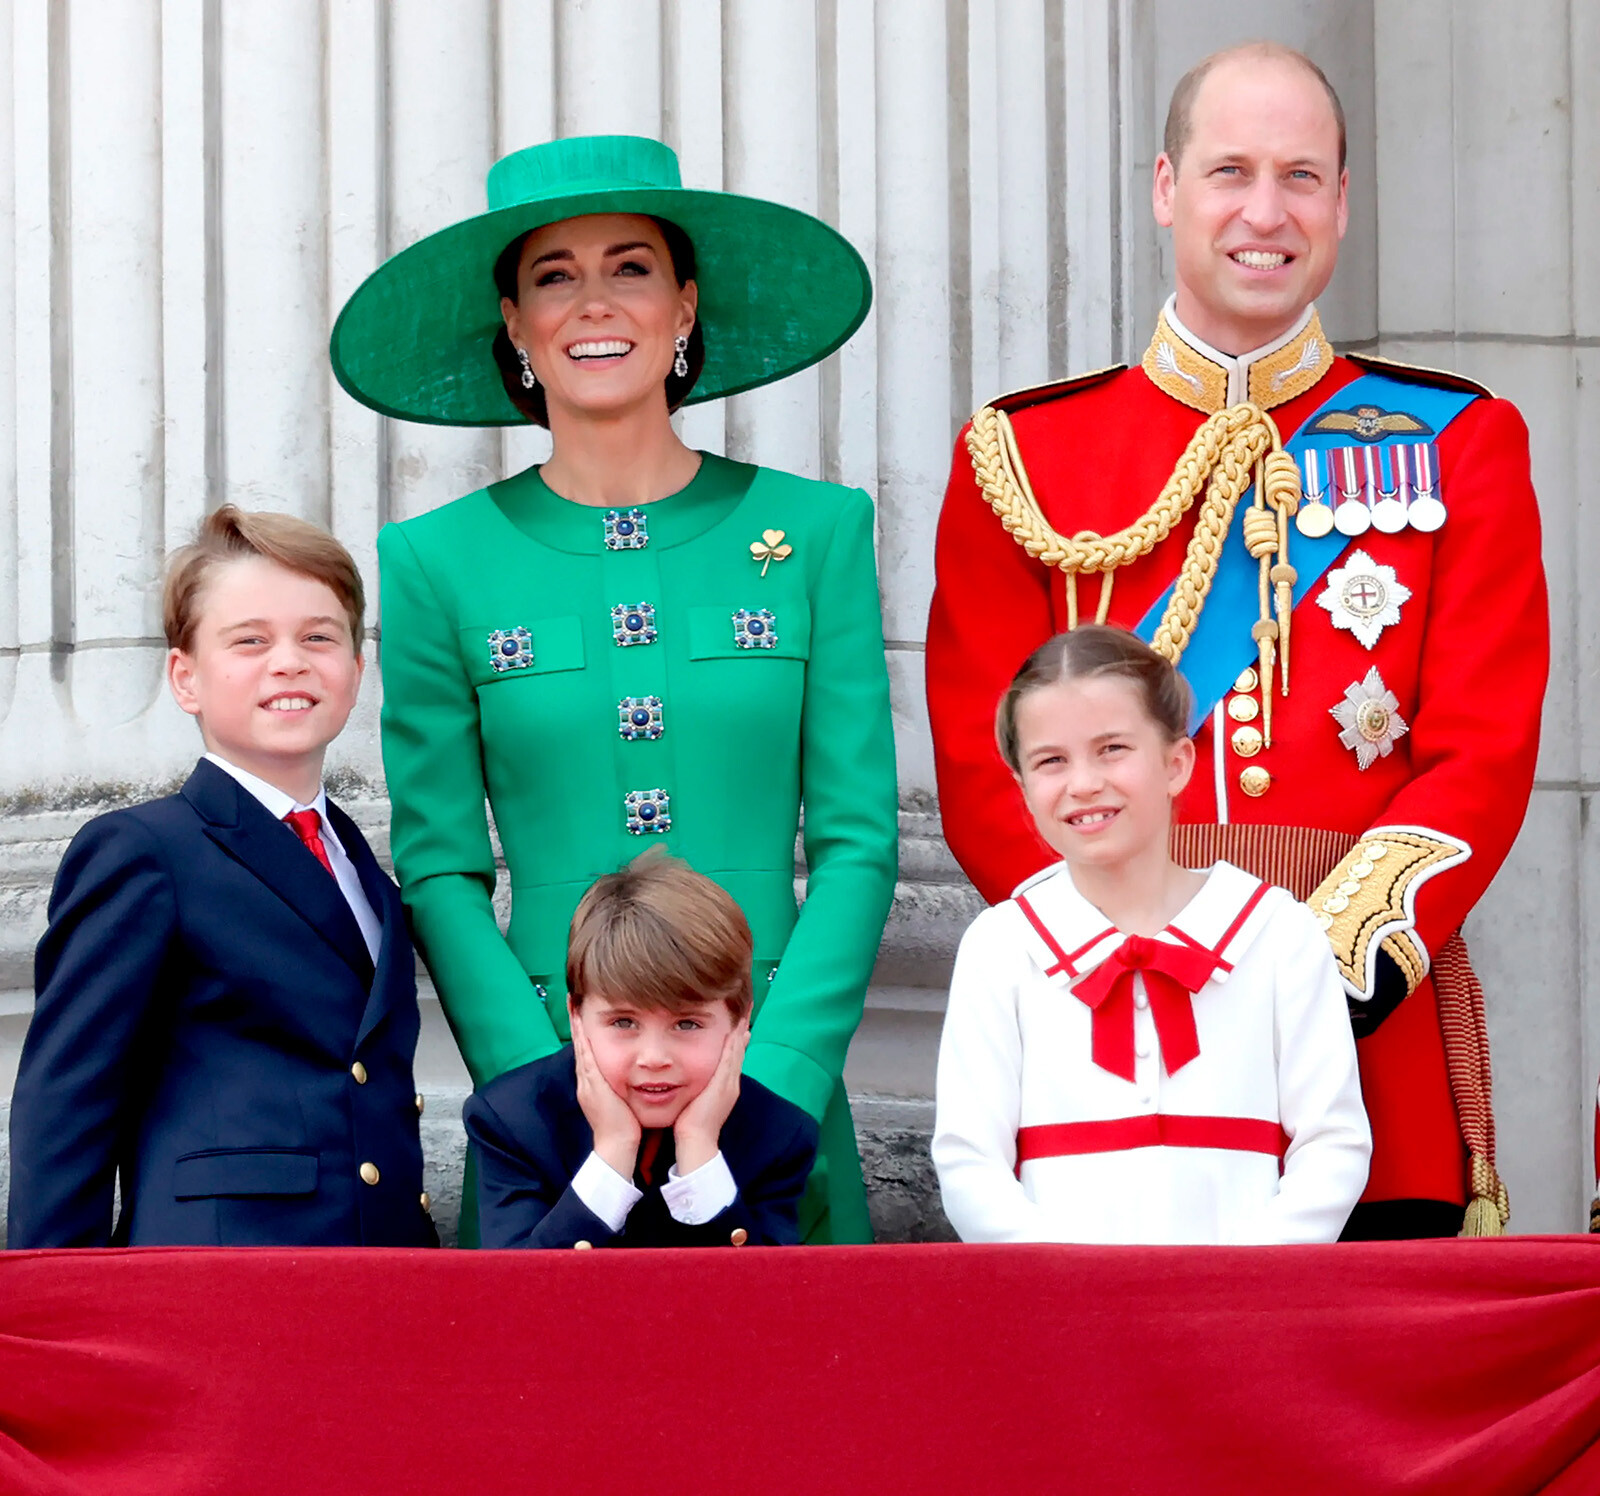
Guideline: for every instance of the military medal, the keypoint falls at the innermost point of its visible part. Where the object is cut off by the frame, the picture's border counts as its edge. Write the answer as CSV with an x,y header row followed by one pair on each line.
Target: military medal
x,y
1426,512
1369,719
1363,597
1314,518
1350,513
1383,480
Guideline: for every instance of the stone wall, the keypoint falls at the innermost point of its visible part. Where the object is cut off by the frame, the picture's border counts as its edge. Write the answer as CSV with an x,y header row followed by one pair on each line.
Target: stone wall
x,y
189,189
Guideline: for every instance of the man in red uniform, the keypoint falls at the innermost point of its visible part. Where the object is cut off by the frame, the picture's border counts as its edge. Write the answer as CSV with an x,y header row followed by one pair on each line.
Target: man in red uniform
x,y
1362,615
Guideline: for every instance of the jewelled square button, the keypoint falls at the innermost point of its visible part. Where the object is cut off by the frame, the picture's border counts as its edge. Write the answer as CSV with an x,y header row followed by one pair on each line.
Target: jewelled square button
x,y
754,628
510,649
634,623
648,811
639,718
626,530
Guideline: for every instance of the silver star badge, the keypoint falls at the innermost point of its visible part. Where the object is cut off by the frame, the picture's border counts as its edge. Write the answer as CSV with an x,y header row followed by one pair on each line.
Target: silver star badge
x,y
1364,597
1370,718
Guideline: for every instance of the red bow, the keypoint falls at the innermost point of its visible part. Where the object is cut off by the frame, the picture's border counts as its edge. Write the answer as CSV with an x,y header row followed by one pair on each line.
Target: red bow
x,y
1172,975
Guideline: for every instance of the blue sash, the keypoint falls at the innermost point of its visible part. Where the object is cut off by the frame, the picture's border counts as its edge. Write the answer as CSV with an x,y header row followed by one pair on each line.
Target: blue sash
x,y
1221,645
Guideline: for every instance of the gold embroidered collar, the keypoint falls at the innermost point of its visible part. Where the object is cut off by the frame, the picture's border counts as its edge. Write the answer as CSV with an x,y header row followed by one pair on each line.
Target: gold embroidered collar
x,y
1199,376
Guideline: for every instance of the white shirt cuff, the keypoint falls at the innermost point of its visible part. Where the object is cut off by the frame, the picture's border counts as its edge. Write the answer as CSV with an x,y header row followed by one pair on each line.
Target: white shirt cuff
x,y
606,1193
702,1194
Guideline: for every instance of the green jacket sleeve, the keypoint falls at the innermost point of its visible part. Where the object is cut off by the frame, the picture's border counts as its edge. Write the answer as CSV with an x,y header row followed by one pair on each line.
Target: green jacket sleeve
x,y
433,760
851,807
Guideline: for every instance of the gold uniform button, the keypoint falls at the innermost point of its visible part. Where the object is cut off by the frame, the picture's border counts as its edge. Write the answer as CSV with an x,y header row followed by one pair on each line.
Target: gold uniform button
x,y
1247,741
419,1103
1255,781
740,1236
1374,850
1350,886
1325,920
1362,869
359,1072
369,1172
583,1246
1243,708
1336,903
427,1202
1248,680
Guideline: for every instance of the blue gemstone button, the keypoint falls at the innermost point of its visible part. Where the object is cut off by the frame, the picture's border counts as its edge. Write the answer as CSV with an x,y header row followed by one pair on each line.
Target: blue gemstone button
x,y
755,628
648,811
510,649
639,718
633,623
626,530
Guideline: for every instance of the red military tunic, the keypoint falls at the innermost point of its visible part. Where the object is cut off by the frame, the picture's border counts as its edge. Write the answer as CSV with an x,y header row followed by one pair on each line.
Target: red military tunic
x,y
1466,660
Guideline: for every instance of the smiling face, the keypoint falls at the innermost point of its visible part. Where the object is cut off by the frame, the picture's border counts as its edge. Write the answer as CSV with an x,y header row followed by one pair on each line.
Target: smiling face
x,y
1256,204
1097,772
598,308
657,1060
271,673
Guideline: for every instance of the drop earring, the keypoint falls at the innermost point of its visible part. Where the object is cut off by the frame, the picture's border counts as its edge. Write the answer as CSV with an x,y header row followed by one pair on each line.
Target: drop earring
x,y
529,378
680,365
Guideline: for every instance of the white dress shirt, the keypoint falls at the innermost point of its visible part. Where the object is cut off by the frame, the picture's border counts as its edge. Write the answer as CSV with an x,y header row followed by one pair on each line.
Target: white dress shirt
x,y
278,804
694,1198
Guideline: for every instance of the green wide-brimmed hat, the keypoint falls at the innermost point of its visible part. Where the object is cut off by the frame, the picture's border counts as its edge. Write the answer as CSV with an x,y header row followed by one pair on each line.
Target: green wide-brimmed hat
x,y
779,289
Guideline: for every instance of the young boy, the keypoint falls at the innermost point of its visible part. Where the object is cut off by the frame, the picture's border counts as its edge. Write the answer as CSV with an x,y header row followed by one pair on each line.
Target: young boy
x,y
644,1134
226,1007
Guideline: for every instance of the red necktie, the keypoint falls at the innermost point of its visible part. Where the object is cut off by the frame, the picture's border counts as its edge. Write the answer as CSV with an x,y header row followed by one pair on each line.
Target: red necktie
x,y
306,824
1172,974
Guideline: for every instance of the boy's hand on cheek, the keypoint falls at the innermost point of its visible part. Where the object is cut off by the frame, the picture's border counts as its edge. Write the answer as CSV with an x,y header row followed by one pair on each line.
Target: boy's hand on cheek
x,y
697,1134
616,1130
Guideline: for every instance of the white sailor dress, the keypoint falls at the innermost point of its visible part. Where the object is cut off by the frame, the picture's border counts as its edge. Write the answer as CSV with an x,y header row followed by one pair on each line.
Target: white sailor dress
x,y
1199,1086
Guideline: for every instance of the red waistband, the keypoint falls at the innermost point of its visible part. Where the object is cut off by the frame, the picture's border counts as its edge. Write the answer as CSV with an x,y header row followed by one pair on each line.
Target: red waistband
x,y
1153,1130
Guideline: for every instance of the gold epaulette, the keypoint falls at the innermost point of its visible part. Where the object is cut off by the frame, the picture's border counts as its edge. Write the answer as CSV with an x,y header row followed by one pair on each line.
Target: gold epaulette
x,y
1420,374
1042,394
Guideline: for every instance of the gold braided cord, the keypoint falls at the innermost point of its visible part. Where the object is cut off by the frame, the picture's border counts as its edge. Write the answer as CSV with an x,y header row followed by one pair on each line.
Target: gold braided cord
x,y
1220,460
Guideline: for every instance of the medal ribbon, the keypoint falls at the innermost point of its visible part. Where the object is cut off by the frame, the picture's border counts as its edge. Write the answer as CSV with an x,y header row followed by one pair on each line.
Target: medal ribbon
x,y
1172,975
1222,644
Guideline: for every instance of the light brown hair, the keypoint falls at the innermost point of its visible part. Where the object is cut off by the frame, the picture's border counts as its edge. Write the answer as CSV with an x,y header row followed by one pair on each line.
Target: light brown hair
x,y
1180,111
1096,650
231,533
662,936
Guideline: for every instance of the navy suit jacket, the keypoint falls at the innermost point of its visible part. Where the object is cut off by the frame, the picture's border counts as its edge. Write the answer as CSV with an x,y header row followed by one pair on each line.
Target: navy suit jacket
x,y
205,1004
532,1139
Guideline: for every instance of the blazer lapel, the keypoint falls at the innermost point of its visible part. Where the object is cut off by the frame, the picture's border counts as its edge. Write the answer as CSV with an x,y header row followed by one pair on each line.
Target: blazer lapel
x,y
239,824
394,944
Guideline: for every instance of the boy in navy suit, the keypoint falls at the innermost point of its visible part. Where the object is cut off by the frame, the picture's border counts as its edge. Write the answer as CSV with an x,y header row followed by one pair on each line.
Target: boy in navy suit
x,y
226,1007
644,1133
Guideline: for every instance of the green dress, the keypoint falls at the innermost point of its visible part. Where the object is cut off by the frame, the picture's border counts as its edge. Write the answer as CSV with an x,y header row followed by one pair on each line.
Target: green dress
x,y
617,679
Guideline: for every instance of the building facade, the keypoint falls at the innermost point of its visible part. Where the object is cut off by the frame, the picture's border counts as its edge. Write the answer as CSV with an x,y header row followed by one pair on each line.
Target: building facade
x,y
190,188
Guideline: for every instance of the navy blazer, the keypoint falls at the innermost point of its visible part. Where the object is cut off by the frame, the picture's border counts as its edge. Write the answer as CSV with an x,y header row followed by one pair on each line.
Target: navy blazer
x,y
532,1138
208,1026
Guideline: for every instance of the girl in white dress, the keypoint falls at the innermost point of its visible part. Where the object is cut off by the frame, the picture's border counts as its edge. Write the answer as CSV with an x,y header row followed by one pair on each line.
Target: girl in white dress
x,y
1135,1051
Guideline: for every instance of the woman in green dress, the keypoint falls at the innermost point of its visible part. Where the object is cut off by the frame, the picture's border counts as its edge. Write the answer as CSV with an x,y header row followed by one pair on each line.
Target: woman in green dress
x,y
636,643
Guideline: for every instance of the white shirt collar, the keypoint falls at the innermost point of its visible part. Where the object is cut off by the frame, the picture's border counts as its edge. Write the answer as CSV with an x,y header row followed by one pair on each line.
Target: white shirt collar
x,y
278,803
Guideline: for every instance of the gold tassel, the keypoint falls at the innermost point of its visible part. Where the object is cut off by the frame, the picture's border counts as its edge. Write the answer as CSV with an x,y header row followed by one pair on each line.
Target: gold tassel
x,y
1489,1209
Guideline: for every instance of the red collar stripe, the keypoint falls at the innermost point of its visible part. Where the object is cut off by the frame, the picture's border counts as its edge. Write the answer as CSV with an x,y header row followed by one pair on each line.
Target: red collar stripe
x,y
1063,960
1151,1130
1227,937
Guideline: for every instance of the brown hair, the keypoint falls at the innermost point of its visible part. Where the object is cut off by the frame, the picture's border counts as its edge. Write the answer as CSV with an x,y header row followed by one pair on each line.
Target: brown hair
x,y
680,250
1179,112
662,936
1095,650
230,533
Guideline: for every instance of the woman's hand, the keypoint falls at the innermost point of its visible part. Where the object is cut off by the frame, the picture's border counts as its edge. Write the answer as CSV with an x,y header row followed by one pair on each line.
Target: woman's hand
x,y
697,1134
616,1130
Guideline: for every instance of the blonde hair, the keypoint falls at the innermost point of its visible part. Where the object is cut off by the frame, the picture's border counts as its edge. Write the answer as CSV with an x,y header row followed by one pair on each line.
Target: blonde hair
x,y
1096,650
231,533
662,936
